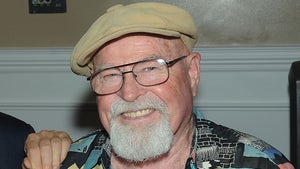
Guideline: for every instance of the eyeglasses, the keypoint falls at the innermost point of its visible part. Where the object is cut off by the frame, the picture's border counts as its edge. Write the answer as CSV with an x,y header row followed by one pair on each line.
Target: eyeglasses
x,y
148,72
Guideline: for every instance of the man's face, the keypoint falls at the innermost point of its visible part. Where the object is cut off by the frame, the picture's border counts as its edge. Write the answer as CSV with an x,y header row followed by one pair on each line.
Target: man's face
x,y
165,108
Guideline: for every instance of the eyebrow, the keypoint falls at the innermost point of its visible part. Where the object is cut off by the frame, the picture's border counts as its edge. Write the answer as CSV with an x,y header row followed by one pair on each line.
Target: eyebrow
x,y
102,67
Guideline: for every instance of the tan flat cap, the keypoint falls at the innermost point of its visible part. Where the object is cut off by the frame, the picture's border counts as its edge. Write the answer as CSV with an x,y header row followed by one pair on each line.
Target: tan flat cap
x,y
147,17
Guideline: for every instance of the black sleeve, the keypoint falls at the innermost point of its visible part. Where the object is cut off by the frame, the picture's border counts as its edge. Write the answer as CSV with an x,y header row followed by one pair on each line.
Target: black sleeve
x,y
13,133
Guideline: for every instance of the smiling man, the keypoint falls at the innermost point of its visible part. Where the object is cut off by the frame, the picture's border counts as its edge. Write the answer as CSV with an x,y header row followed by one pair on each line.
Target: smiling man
x,y
140,64
144,119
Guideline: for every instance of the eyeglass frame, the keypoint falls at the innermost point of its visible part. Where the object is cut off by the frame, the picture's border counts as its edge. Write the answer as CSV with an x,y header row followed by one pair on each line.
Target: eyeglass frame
x,y
167,64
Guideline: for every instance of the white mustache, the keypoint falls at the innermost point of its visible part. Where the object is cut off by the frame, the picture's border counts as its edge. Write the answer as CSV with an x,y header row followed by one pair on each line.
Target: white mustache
x,y
149,101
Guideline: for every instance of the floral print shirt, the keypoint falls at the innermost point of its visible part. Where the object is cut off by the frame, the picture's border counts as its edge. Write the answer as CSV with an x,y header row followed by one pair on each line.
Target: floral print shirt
x,y
214,147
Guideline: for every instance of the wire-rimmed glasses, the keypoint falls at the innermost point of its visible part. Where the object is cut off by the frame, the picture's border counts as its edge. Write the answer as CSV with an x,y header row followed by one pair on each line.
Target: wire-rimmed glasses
x,y
148,72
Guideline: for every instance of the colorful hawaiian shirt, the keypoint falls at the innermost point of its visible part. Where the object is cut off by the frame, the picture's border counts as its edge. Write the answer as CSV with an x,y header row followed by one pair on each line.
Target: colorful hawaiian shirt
x,y
214,147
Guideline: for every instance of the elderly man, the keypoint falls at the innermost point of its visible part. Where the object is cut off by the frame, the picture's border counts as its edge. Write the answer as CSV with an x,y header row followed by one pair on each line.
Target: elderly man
x,y
140,63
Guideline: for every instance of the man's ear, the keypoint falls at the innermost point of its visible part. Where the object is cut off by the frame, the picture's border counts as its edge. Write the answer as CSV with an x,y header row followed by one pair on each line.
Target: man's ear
x,y
91,67
194,71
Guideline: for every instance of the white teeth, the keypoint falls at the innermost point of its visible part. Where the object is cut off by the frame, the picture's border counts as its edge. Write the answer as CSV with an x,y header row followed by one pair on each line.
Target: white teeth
x,y
137,113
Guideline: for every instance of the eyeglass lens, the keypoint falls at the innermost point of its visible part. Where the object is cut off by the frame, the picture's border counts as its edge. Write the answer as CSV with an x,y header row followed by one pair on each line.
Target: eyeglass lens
x,y
146,73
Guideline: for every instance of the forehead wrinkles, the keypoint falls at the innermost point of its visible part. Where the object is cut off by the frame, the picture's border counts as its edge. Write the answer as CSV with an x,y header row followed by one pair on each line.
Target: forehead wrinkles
x,y
172,46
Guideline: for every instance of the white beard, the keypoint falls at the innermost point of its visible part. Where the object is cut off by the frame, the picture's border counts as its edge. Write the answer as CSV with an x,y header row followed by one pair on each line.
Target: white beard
x,y
143,143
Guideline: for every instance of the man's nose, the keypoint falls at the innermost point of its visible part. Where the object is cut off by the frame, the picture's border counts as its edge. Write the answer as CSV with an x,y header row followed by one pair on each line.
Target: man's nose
x,y
131,89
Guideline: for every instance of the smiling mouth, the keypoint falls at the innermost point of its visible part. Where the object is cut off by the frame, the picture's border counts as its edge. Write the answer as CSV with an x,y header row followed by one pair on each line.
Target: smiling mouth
x,y
139,113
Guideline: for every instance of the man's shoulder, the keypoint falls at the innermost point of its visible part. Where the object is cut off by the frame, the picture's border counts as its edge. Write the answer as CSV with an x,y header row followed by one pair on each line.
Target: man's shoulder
x,y
87,148
216,141
13,134
10,124
96,138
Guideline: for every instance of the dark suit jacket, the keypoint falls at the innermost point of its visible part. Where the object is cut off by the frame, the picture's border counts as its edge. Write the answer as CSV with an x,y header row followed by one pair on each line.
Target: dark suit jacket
x,y
13,133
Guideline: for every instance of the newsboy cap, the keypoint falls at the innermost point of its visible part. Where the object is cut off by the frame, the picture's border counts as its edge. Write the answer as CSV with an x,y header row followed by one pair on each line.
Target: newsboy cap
x,y
143,17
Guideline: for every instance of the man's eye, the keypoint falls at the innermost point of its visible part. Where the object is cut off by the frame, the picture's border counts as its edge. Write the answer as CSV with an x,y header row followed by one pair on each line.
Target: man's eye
x,y
111,76
152,68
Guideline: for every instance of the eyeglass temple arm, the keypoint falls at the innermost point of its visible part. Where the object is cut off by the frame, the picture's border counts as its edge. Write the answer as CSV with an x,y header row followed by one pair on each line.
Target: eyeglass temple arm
x,y
172,62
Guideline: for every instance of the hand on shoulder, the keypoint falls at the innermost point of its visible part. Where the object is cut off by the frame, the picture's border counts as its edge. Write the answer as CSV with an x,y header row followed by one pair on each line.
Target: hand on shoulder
x,y
46,149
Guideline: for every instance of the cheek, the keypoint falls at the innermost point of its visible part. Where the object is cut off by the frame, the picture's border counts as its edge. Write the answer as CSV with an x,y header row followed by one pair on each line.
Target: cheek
x,y
177,95
178,88
104,103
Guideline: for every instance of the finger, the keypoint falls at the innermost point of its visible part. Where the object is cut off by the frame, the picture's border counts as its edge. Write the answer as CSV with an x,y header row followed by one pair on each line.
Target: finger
x,y
26,163
56,150
33,160
66,143
46,153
